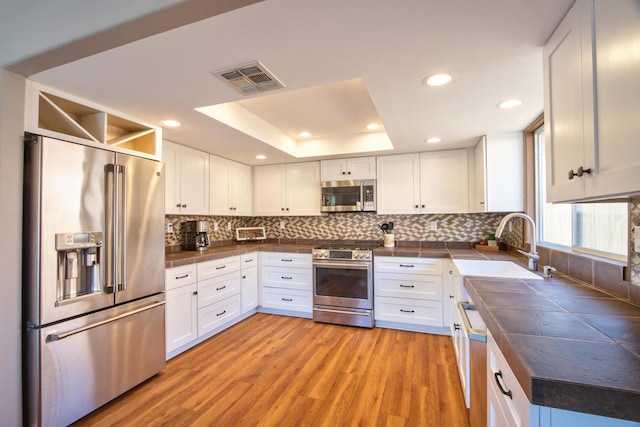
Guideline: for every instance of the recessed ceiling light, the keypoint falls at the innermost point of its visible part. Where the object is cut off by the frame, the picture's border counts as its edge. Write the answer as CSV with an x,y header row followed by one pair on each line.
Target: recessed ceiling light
x,y
373,126
304,134
437,79
261,157
510,103
171,123
433,140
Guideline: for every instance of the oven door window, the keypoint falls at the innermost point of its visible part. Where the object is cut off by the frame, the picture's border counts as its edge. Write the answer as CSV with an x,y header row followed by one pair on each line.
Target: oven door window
x,y
341,282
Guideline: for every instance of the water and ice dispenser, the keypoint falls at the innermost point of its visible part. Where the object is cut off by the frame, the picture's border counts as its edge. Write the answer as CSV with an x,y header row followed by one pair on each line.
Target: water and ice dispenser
x,y
79,261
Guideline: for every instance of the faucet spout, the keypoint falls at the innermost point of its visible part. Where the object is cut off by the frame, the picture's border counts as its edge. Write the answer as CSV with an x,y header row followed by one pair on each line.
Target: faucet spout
x,y
532,254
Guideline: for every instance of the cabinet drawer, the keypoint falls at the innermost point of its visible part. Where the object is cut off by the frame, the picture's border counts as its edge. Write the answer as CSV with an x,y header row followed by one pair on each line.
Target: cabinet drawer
x,y
404,310
217,267
417,286
517,406
388,264
286,299
285,259
218,288
179,276
292,278
249,260
216,315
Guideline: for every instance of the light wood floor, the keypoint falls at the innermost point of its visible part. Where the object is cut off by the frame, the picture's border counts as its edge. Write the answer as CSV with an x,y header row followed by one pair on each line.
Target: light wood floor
x,y
282,371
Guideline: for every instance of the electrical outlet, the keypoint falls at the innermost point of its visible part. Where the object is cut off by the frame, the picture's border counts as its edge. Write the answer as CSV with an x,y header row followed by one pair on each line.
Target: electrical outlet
x,y
229,226
170,227
434,225
282,225
215,226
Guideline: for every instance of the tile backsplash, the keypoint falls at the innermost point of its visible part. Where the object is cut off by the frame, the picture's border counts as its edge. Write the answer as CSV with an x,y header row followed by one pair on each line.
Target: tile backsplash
x,y
354,226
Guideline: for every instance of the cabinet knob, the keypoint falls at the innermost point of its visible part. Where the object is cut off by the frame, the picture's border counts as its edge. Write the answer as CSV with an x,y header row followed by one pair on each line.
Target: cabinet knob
x,y
287,208
417,206
349,173
178,205
195,292
344,173
184,206
581,171
482,203
281,209
423,206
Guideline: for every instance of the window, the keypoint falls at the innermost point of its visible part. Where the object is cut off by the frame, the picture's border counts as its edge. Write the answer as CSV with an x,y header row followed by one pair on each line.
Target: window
x,y
599,228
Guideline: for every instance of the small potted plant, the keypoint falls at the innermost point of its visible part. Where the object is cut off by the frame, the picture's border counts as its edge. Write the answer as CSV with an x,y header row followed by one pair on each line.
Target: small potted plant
x,y
492,240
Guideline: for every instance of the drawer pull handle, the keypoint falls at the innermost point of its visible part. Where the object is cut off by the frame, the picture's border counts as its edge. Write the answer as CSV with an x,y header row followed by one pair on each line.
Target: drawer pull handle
x,y
223,312
407,286
184,276
287,299
407,265
286,260
221,267
498,375
407,311
219,289
248,260
286,277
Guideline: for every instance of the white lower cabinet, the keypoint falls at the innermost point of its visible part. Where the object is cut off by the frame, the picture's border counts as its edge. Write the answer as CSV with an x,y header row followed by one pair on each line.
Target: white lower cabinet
x,y
512,408
204,298
249,281
408,293
286,283
181,308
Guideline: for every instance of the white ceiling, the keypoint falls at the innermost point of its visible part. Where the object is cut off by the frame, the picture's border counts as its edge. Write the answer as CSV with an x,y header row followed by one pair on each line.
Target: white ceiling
x,y
493,47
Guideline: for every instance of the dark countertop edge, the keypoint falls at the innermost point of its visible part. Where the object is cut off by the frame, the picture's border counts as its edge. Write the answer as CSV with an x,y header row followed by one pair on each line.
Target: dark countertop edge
x,y
612,402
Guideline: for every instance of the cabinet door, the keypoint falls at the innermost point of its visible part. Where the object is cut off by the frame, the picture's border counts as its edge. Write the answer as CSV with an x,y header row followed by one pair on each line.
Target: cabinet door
x,y
219,185
171,179
362,167
333,170
194,182
444,182
249,289
398,184
569,107
617,32
181,316
241,189
478,200
270,185
303,189
504,172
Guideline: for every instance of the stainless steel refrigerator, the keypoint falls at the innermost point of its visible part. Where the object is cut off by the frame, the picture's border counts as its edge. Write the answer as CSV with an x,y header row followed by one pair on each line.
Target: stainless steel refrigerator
x,y
93,277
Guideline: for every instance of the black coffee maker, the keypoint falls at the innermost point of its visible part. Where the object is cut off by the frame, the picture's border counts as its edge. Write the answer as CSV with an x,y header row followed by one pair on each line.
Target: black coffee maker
x,y
195,236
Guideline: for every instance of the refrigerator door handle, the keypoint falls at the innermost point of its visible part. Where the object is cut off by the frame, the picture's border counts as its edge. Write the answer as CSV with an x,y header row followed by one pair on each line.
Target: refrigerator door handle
x,y
62,335
122,243
111,250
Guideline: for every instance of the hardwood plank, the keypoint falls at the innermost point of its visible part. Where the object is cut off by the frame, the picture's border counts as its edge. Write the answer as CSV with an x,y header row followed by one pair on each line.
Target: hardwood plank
x,y
279,371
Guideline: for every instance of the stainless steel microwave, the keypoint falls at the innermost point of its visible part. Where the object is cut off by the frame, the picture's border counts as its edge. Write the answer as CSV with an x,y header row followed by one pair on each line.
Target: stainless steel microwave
x,y
349,196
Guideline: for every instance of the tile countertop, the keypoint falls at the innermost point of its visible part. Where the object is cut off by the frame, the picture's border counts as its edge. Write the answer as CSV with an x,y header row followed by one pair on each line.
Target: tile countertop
x,y
570,346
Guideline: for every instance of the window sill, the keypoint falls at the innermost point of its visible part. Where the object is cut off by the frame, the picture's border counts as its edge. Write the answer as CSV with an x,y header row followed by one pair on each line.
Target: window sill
x,y
589,255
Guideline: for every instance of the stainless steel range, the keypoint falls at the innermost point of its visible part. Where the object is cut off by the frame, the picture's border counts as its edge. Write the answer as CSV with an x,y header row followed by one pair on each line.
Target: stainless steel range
x,y
343,285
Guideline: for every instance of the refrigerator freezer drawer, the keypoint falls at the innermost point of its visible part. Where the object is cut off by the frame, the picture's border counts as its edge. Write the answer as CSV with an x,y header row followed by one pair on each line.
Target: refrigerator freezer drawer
x,y
83,363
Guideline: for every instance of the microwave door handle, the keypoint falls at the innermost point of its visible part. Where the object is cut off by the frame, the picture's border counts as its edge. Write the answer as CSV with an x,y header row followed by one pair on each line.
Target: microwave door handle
x,y
361,195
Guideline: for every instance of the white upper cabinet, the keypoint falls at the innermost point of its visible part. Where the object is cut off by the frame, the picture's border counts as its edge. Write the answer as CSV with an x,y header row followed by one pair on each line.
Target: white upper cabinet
x,y
498,178
435,182
591,148
348,169
444,181
230,188
186,180
292,189
398,184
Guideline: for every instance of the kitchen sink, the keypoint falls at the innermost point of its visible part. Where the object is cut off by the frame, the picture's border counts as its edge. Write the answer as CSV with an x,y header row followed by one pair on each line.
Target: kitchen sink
x,y
506,269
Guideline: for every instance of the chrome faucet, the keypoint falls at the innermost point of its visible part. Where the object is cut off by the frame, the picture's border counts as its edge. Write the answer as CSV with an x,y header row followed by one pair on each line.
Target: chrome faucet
x,y
532,254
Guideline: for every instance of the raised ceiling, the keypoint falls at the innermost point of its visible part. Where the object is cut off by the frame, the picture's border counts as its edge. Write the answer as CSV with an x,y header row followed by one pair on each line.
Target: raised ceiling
x,y
319,50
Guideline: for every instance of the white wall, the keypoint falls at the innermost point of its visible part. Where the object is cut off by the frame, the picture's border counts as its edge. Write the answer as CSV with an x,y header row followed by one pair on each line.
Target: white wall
x,y
11,164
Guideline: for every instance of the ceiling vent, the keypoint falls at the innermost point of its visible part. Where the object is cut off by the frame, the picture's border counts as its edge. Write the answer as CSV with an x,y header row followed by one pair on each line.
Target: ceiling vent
x,y
250,78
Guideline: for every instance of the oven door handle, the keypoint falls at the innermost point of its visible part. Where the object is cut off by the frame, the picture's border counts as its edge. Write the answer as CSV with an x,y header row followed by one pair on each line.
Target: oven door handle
x,y
356,265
